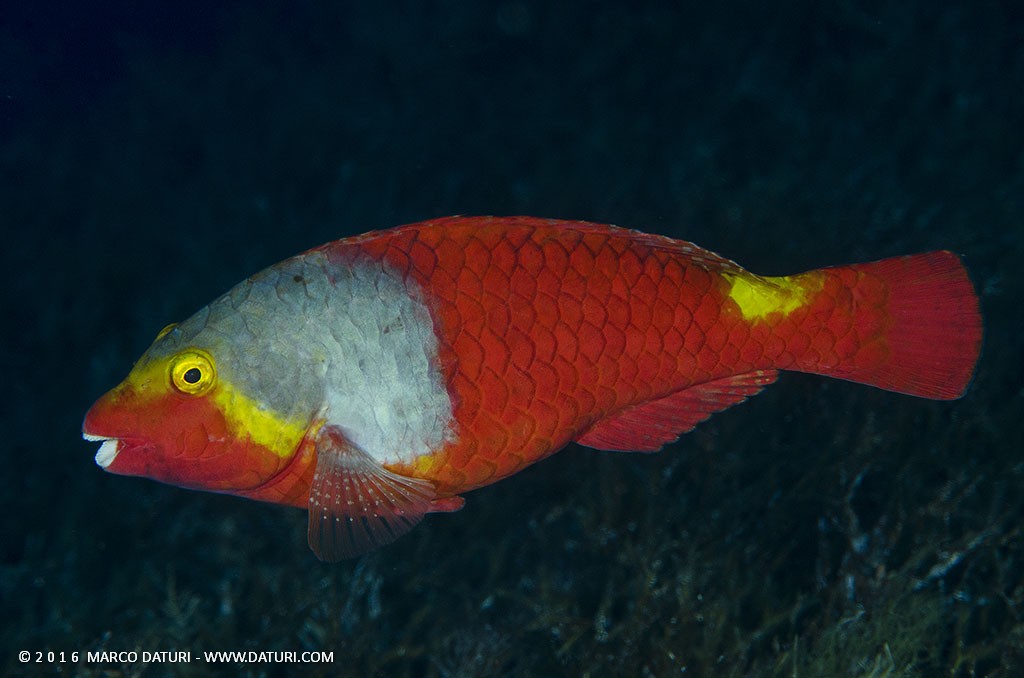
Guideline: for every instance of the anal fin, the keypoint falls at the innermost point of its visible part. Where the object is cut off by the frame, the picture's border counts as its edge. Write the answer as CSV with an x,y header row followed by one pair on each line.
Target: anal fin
x,y
649,426
356,505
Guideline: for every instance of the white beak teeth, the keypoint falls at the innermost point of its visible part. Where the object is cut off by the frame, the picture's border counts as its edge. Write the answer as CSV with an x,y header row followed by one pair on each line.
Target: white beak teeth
x,y
108,450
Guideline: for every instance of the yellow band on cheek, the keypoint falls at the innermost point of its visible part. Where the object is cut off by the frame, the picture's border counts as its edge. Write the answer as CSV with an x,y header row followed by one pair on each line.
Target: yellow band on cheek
x,y
247,418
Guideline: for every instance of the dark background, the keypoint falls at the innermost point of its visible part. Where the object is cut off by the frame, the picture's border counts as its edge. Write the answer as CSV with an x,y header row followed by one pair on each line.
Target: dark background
x,y
154,154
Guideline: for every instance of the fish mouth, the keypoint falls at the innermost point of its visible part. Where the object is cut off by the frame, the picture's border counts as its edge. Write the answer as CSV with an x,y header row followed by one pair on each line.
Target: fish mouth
x,y
108,449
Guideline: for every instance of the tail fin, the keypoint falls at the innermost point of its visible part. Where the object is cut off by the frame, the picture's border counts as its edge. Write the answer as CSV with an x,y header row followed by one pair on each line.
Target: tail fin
x,y
928,335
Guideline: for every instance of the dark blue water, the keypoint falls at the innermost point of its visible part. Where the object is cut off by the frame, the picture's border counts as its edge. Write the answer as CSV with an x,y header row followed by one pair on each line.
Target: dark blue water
x,y
154,154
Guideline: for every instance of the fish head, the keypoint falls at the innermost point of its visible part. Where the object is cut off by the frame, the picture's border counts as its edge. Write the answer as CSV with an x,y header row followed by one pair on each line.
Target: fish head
x,y
180,417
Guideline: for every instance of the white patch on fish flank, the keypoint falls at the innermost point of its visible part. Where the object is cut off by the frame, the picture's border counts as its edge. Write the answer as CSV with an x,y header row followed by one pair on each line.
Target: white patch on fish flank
x,y
354,335
384,387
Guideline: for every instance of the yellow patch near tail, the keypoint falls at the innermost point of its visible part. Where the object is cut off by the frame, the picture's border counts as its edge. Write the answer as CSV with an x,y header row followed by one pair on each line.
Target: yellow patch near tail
x,y
759,297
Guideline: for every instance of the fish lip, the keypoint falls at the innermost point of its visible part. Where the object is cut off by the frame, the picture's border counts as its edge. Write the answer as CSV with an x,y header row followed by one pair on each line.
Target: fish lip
x,y
113,447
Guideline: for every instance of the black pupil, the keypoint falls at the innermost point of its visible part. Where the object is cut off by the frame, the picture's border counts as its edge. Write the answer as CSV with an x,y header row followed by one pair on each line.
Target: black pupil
x,y
193,375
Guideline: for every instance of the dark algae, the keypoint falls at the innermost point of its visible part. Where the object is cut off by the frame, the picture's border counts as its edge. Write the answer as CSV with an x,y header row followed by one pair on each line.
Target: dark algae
x,y
153,155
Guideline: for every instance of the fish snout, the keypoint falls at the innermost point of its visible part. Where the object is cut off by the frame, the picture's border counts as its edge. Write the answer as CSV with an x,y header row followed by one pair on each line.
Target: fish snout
x,y
109,423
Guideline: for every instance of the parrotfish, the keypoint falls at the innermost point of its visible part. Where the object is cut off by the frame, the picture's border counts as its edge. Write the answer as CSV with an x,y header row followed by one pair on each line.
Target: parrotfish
x,y
378,378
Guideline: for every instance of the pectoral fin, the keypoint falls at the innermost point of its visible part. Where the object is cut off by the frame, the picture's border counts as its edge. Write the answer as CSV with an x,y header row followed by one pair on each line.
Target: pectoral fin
x,y
356,505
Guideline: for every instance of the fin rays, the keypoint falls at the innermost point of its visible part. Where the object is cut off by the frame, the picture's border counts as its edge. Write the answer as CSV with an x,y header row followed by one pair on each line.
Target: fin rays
x,y
355,504
649,426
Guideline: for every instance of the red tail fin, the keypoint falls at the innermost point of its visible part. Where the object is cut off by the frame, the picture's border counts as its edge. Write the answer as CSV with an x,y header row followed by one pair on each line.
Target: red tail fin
x,y
931,332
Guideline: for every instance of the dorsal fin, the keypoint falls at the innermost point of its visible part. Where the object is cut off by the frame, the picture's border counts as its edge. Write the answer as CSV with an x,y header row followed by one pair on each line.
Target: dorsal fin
x,y
355,504
648,426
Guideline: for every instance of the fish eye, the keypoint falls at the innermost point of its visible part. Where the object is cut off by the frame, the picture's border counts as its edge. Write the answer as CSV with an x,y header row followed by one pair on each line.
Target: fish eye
x,y
192,372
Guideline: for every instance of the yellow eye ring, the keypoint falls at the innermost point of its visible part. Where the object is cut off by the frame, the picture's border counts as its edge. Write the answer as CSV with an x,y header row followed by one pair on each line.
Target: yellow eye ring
x,y
192,372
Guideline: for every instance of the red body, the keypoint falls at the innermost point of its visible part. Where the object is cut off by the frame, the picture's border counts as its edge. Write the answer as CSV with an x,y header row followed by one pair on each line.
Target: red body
x,y
548,328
